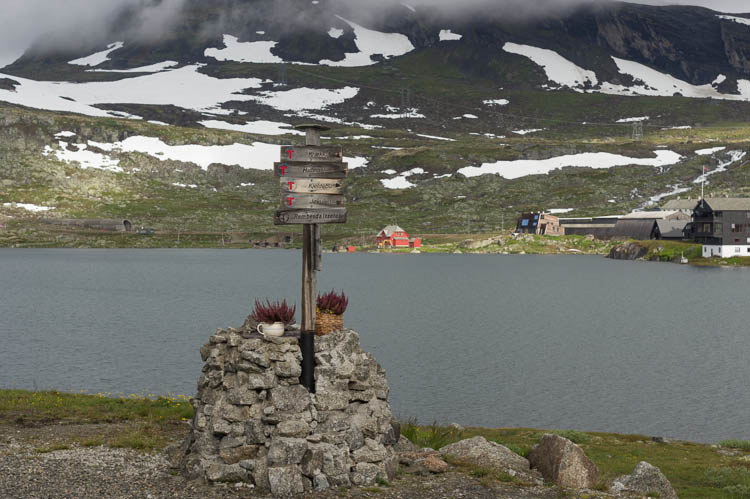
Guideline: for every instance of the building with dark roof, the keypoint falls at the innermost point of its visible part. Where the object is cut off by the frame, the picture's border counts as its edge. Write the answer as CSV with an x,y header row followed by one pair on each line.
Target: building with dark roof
x,y
722,225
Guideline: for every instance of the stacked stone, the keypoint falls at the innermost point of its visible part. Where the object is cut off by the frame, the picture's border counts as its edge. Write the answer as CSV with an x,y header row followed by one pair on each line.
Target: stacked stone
x,y
255,423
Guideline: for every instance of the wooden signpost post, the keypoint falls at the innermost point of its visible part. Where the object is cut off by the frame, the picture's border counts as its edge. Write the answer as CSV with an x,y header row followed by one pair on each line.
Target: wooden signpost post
x,y
310,177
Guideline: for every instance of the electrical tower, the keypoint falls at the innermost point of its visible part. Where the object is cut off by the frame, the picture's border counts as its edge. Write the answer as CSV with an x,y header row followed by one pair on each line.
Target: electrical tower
x,y
283,76
638,131
405,100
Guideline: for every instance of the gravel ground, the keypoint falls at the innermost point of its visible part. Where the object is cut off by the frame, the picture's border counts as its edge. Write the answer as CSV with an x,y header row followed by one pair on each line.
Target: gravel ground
x,y
102,472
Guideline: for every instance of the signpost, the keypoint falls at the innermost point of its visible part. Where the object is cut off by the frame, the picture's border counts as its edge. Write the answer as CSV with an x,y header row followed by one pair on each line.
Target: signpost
x,y
295,169
310,178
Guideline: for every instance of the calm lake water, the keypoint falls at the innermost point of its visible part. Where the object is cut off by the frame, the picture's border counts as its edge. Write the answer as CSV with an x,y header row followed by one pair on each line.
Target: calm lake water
x,y
565,342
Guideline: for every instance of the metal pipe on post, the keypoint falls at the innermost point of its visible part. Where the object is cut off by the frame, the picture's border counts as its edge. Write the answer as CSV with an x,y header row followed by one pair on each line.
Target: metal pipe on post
x,y
310,265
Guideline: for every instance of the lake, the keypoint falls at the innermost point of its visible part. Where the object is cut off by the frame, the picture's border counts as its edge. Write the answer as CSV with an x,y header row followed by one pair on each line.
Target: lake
x,y
556,342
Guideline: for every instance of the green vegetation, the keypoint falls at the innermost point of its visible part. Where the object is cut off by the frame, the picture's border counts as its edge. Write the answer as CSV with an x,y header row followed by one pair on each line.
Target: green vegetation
x,y
20,406
52,448
695,470
736,444
148,423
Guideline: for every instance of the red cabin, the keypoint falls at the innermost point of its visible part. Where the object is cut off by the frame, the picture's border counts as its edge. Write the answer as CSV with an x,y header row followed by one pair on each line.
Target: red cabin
x,y
393,236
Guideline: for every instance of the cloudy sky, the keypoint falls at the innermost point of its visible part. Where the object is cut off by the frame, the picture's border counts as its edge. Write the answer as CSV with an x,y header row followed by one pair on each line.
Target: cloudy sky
x,y
25,20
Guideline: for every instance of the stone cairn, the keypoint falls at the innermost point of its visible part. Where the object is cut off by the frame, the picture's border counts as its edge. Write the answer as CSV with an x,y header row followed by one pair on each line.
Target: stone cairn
x,y
255,423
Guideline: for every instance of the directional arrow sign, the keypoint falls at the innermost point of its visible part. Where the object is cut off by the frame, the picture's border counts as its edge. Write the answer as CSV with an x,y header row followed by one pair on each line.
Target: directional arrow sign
x,y
318,154
294,169
310,201
324,216
312,185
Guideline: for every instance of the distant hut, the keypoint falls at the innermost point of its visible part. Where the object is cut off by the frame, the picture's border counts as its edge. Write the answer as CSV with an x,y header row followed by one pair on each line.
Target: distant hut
x,y
104,224
672,229
640,230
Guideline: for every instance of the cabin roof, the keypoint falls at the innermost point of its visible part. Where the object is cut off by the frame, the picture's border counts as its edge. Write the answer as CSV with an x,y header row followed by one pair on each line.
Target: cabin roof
x,y
728,204
680,204
650,215
634,229
391,229
671,228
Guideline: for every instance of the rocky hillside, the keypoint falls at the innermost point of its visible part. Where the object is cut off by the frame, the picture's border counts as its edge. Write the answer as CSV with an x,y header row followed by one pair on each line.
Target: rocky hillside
x,y
449,123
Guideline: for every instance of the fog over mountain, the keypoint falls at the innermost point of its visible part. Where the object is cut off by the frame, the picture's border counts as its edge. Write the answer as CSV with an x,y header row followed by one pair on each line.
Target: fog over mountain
x,y
86,22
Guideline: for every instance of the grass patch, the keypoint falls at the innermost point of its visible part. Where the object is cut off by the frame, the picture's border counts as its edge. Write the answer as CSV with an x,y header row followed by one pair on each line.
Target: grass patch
x,y
51,448
91,442
24,406
486,474
144,438
736,444
577,437
433,436
695,470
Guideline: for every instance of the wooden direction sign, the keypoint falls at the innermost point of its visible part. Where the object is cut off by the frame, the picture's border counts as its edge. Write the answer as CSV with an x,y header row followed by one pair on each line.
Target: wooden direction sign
x,y
318,154
295,169
312,185
316,216
291,201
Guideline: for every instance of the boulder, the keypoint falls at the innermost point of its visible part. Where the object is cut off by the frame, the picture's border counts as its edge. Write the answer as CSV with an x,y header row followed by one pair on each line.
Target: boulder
x,y
481,452
434,464
645,479
561,461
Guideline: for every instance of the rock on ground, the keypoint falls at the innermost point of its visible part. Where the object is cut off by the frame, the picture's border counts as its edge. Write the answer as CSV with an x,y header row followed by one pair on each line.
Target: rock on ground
x,y
645,479
481,452
561,461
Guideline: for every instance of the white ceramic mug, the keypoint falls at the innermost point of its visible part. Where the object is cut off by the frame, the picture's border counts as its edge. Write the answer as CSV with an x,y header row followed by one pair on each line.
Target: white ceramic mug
x,y
275,329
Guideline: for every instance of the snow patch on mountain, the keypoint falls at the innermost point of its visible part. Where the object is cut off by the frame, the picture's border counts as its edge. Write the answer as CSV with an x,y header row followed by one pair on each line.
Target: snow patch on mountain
x,y
99,57
370,42
261,127
707,152
335,33
299,99
401,182
81,155
448,35
184,87
733,157
257,52
652,82
258,155
557,68
648,81
598,160
34,208
741,20
633,120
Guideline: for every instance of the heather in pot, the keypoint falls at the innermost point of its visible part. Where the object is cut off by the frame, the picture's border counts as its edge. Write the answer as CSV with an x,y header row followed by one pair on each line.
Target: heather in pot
x,y
273,317
329,312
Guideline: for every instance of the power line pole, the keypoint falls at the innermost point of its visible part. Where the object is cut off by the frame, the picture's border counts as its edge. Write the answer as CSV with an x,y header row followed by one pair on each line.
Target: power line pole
x,y
638,131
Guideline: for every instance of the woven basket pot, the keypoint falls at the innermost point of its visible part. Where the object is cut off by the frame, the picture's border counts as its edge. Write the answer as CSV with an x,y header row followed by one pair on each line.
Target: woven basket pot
x,y
326,323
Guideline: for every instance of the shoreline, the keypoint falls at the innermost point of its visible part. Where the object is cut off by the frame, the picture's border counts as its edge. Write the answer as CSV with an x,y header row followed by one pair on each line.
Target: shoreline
x,y
79,440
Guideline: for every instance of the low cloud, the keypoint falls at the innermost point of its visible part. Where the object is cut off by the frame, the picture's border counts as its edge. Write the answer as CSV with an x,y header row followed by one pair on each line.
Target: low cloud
x,y
77,23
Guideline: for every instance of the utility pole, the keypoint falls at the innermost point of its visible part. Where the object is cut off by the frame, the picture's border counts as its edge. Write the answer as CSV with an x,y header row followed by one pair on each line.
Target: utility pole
x,y
638,131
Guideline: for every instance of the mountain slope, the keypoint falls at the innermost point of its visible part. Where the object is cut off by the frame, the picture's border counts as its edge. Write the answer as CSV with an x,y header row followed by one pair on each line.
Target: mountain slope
x,y
446,120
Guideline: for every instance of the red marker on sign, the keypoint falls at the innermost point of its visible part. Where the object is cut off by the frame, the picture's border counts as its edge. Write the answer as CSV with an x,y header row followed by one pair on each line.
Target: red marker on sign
x,y
291,152
291,186
283,169
289,200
